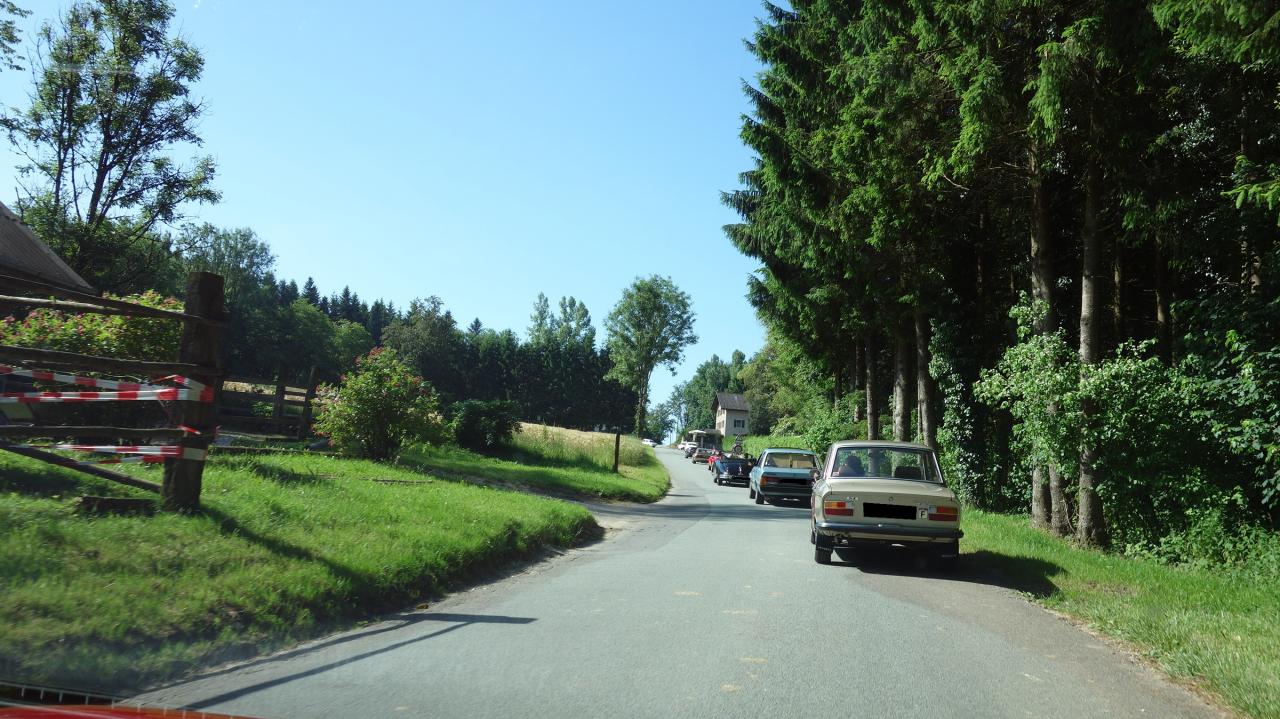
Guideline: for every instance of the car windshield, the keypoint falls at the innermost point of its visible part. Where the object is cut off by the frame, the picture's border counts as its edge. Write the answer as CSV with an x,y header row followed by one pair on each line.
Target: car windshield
x,y
790,460
885,463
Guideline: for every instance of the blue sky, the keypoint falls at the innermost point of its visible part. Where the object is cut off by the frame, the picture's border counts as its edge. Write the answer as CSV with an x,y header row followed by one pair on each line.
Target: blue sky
x,y
479,151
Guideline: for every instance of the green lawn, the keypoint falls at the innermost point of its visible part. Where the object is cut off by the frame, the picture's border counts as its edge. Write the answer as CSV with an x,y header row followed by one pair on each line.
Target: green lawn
x,y
1218,628
288,546
556,461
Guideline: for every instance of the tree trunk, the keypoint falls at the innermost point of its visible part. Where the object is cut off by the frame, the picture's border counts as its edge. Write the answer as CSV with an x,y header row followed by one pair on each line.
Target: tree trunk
x,y
642,408
859,372
837,386
1164,322
1117,297
873,394
1090,529
1059,505
1043,504
902,355
926,390
1039,498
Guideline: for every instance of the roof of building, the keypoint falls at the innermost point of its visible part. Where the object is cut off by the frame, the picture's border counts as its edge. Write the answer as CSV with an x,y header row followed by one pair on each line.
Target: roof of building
x,y
22,254
728,400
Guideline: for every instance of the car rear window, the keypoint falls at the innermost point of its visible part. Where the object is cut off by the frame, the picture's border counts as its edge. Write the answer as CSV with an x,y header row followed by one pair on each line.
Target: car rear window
x,y
885,463
790,460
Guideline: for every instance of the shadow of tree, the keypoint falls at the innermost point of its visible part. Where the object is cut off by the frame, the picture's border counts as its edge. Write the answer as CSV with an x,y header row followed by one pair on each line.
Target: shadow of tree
x,y
1022,574
229,525
405,626
283,475
34,479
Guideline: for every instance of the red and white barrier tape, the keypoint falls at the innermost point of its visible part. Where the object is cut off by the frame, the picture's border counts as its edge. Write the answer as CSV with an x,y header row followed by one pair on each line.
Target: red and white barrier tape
x,y
122,460
100,383
78,380
168,394
154,453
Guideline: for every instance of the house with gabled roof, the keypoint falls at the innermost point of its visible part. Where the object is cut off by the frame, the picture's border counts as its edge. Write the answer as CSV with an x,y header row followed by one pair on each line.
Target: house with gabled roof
x,y
731,411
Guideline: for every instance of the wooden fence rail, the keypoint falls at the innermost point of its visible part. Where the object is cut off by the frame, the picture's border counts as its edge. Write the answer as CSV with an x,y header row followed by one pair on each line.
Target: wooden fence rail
x,y
280,395
203,320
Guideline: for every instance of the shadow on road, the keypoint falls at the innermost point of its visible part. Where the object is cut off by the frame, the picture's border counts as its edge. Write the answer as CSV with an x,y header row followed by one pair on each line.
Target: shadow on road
x,y
407,620
748,511
1022,574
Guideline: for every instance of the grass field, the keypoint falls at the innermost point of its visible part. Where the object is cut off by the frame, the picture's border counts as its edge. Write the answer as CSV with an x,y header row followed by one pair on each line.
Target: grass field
x,y
552,460
288,546
1218,628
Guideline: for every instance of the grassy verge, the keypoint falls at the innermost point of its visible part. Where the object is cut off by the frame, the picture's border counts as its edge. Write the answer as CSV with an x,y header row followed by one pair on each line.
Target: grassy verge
x,y
287,546
1217,628
756,444
555,461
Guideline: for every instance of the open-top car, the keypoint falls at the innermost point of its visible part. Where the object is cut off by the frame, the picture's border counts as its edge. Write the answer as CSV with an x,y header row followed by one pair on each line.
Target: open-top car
x,y
732,470
781,474
878,492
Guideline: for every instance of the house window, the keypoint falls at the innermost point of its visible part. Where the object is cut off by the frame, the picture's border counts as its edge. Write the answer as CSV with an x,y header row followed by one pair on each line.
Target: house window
x,y
739,423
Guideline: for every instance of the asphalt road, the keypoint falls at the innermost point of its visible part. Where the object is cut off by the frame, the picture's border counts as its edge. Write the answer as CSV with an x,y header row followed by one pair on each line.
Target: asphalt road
x,y
705,605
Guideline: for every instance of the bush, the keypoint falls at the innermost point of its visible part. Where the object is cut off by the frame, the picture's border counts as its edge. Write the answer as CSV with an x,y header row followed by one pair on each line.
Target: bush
x,y
104,335
1158,462
482,425
140,338
378,408
828,424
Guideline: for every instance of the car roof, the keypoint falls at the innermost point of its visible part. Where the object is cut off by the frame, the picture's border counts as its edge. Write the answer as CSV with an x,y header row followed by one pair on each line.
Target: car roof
x,y
787,449
881,443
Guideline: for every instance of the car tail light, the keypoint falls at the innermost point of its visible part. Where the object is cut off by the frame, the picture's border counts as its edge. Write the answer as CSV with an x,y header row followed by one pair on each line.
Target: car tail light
x,y
837,508
944,514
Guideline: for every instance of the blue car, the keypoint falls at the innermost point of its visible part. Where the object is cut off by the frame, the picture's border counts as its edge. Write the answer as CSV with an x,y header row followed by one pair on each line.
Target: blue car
x,y
782,473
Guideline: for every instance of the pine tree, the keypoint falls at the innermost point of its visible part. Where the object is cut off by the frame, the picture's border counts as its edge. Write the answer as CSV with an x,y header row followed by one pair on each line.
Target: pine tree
x,y
310,293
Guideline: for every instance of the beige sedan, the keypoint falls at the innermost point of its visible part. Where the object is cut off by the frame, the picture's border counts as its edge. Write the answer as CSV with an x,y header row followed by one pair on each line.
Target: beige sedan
x,y
887,493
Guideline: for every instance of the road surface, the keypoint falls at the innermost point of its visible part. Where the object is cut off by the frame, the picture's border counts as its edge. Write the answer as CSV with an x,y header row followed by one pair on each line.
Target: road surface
x,y
704,605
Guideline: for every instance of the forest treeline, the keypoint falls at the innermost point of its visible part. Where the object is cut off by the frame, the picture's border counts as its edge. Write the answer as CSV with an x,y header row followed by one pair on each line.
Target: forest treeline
x,y
1040,236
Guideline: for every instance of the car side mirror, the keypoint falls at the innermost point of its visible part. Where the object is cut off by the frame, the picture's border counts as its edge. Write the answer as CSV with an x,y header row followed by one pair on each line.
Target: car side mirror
x,y
815,475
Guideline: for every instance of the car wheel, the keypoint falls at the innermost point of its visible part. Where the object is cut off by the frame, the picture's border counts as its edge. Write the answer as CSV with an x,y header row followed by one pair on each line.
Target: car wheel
x,y
821,556
947,559
759,498
751,492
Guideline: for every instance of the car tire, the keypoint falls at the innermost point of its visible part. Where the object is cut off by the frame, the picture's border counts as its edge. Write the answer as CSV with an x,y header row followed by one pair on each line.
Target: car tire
x,y
759,498
821,556
751,492
947,559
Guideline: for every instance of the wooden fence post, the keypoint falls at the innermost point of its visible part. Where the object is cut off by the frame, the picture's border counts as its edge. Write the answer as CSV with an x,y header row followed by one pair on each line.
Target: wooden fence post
x,y
182,476
304,424
277,406
617,450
